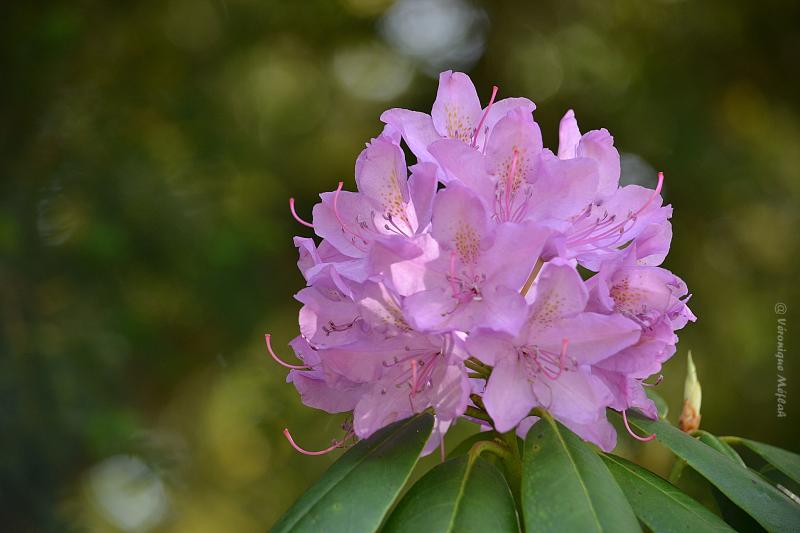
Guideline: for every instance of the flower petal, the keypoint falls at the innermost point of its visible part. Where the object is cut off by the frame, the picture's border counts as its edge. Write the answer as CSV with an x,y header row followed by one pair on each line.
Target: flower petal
x,y
457,109
508,397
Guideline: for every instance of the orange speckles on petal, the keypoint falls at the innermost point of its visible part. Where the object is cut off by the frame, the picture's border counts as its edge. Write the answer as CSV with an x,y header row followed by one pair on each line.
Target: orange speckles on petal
x,y
550,309
467,243
457,125
626,298
392,199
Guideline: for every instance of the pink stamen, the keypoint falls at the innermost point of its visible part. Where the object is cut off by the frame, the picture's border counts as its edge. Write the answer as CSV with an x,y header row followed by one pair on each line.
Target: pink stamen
x,y
560,363
606,221
452,274
619,229
483,117
296,216
562,355
336,444
630,431
655,193
278,359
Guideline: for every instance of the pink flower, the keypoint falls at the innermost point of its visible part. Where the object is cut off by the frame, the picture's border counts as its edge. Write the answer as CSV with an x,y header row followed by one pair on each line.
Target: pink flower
x,y
473,253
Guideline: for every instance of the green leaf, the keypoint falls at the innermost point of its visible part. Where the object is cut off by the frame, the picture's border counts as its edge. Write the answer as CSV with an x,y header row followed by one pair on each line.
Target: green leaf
x,y
785,461
464,494
731,512
721,446
566,486
465,445
658,504
357,490
759,499
661,403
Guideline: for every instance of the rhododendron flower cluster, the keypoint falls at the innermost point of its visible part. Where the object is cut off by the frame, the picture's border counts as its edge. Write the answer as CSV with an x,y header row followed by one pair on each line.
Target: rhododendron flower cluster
x,y
491,277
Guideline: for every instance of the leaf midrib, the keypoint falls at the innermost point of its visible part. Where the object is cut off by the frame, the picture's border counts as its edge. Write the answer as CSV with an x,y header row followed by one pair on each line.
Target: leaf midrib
x,y
460,494
585,489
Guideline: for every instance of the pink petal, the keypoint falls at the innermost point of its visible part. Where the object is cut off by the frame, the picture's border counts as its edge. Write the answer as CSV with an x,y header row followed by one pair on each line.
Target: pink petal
x,y
599,146
508,397
568,136
457,109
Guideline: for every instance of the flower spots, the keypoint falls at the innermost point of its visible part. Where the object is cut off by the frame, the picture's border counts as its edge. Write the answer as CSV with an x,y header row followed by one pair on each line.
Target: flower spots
x,y
457,125
466,243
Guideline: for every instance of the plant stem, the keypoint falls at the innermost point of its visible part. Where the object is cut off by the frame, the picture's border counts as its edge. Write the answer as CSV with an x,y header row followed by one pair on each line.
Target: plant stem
x,y
535,272
513,467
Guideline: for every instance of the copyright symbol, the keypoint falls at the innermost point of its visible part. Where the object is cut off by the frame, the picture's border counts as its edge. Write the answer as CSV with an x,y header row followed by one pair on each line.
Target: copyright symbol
x,y
780,308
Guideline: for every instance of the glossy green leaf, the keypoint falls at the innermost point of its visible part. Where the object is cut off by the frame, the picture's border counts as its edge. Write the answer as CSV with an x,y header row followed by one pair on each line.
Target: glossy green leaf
x,y
465,445
464,494
784,460
722,447
358,490
660,505
731,512
567,487
772,509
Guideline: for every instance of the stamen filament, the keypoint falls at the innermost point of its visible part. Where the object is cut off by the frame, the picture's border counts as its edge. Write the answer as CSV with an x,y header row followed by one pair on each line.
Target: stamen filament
x,y
630,431
296,216
336,444
483,117
278,359
656,192
586,236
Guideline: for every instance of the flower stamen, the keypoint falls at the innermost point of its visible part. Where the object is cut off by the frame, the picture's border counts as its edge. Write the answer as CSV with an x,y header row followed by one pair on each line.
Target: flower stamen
x,y
483,117
278,359
296,216
590,236
630,431
336,444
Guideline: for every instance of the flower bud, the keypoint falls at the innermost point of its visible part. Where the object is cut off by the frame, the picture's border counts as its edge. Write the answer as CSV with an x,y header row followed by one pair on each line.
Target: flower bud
x,y
692,395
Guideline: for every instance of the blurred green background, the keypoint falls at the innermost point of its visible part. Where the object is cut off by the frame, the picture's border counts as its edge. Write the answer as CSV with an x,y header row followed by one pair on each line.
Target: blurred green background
x,y
148,150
